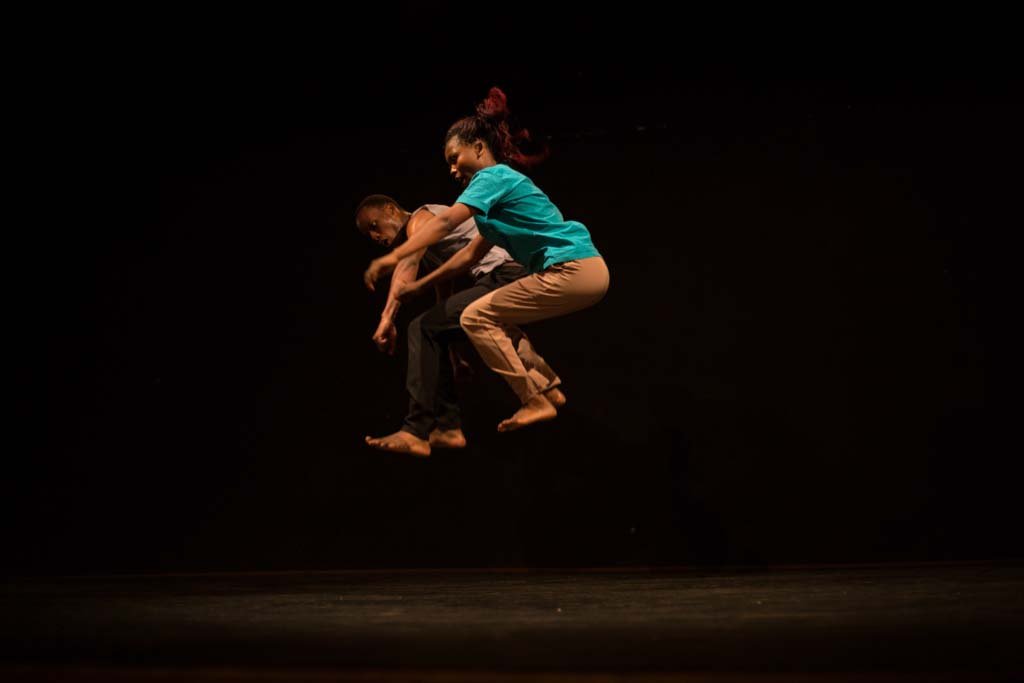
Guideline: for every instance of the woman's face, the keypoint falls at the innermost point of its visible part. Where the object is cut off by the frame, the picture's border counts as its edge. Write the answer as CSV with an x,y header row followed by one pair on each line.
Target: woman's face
x,y
465,159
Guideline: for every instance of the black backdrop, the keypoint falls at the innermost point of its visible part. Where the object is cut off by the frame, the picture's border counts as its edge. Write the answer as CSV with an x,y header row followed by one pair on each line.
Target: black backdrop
x,y
796,361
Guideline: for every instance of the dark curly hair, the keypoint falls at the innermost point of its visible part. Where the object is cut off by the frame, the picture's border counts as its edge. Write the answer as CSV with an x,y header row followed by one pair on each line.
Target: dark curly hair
x,y
490,124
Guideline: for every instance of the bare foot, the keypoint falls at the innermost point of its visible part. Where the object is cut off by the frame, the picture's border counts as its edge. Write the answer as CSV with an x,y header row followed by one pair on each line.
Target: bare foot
x,y
401,442
556,397
447,438
537,409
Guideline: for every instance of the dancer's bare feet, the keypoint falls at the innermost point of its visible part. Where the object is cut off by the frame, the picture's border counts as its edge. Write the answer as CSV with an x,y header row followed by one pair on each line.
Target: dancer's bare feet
x,y
401,442
556,397
447,438
537,409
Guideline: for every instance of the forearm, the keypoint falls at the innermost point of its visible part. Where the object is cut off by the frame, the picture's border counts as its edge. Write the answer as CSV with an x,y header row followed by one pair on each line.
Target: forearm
x,y
429,233
404,273
459,263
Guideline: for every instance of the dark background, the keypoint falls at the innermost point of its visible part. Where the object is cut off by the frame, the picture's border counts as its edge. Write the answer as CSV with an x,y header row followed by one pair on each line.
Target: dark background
x,y
797,361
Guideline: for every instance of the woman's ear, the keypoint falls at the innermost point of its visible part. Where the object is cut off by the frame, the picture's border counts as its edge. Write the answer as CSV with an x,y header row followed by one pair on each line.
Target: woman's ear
x,y
478,147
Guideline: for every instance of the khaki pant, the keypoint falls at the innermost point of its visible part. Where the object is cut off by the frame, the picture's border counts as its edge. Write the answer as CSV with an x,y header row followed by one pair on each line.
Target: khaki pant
x,y
492,321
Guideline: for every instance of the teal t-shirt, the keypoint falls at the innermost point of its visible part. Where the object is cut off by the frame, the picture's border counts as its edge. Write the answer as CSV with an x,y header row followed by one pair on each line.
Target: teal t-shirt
x,y
516,215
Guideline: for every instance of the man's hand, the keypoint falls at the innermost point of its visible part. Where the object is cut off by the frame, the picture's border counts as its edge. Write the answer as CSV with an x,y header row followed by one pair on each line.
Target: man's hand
x,y
385,337
407,292
379,267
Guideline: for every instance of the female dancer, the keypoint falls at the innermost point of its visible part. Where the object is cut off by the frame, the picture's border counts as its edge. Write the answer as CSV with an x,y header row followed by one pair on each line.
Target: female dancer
x,y
567,273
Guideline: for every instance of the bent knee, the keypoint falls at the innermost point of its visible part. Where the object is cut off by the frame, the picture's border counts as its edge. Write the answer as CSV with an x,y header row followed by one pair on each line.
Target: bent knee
x,y
416,324
474,317
468,318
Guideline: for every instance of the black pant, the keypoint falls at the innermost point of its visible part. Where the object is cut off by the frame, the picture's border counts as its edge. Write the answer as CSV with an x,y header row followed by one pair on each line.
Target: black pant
x,y
429,378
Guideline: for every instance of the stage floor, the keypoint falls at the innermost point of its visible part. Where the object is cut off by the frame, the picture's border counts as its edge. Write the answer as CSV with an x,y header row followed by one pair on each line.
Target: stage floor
x,y
962,621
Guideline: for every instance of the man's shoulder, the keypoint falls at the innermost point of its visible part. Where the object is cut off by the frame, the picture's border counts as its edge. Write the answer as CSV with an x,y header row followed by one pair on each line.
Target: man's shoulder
x,y
432,208
421,215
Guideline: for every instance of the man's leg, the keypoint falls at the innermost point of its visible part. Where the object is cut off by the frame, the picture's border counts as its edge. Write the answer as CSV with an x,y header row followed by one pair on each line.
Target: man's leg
x,y
433,400
421,379
433,416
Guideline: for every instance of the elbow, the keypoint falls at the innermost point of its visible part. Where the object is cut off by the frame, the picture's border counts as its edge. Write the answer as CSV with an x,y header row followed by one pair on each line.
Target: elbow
x,y
447,225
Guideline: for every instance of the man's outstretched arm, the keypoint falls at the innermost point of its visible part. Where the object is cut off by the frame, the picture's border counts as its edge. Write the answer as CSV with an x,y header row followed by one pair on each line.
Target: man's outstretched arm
x,y
386,334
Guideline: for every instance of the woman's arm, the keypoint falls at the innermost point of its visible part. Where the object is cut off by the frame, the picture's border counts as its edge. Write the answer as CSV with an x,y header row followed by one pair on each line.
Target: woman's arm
x,y
459,263
429,233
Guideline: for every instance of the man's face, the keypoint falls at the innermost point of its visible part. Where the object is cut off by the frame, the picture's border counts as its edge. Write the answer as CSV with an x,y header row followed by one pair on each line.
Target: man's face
x,y
380,224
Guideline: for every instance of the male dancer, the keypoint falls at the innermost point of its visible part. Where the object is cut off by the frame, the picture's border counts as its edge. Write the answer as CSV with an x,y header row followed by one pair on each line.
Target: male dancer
x,y
433,417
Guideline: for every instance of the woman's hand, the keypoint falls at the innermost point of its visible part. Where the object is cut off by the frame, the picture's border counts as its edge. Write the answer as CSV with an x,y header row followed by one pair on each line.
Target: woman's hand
x,y
379,267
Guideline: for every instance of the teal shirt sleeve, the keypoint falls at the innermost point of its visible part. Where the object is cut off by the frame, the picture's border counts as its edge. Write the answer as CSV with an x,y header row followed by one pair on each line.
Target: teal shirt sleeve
x,y
514,214
487,188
